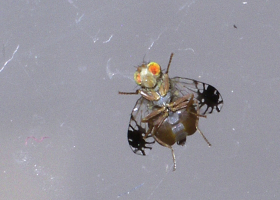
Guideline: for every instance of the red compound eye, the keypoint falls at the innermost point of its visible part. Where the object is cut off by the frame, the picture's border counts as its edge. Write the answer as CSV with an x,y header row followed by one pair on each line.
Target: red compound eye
x,y
137,78
154,68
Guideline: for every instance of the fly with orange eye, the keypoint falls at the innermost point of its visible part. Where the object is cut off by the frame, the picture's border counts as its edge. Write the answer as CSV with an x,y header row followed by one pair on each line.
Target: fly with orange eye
x,y
168,111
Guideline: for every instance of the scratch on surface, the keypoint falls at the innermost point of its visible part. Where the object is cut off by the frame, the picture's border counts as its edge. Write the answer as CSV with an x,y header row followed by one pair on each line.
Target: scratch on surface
x,y
37,140
110,73
135,188
187,49
108,39
156,39
156,187
72,3
9,59
95,38
80,18
186,4
168,170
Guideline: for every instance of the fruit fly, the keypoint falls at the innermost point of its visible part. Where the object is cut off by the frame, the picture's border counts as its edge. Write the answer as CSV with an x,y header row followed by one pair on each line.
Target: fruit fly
x,y
169,108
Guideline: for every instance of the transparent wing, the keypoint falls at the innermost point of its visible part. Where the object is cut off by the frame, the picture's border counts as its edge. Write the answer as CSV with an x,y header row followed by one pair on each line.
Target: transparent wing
x,y
137,129
208,96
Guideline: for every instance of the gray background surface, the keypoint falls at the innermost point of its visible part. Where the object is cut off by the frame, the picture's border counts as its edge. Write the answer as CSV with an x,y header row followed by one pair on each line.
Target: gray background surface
x,y
62,64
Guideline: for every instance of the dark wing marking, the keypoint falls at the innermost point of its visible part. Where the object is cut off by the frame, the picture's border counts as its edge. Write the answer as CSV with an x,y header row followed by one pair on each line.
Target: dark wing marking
x,y
208,97
137,129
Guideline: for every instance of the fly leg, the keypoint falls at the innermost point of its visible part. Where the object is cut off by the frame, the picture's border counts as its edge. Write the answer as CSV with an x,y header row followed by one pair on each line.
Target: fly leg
x,y
153,114
181,103
155,124
209,144
196,124
149,95
172,151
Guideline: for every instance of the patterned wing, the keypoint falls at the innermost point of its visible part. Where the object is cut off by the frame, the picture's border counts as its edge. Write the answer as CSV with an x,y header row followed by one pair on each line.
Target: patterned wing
x,y
138,129
208,97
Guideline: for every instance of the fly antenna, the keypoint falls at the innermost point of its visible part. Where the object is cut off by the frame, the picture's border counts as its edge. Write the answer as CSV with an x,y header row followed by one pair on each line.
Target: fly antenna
x,y
170,59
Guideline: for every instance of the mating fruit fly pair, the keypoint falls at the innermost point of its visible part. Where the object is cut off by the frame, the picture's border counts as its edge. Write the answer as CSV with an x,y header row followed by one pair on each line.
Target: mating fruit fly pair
x,y
169,108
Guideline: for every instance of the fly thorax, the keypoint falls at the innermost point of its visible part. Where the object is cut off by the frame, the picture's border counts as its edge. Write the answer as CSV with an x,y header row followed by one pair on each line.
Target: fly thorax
x,y
163,100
